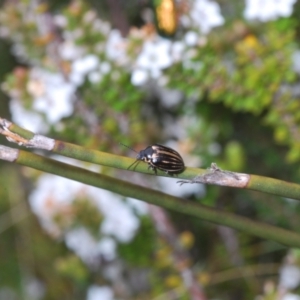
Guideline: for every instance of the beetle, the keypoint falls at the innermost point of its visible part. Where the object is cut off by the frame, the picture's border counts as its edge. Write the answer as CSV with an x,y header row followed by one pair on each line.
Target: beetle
x,y
160,157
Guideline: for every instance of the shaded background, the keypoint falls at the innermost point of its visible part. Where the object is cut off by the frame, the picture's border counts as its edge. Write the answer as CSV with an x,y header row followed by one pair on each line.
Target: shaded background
x,y
216,80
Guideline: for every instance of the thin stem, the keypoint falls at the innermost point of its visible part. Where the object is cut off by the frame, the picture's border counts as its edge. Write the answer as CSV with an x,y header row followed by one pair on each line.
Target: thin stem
x,y
128,189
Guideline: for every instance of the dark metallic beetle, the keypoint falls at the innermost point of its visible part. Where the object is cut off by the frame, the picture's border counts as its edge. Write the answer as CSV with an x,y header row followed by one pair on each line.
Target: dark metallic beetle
x,y
160,157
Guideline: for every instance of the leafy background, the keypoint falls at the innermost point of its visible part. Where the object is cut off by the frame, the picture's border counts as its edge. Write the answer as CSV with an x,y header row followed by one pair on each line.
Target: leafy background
x,y
220,84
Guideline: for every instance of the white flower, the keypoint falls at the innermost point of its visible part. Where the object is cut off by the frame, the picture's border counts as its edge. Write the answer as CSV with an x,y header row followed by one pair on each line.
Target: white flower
x,y
296,61
81,67
83,244
69,51
52,195
140,207
52,94
290,296
139,77
206,15
100,292
177,50
89,17
26,118
119,218
105,67
95,77
191,38
55,194
265,10
116,47
155,56
101,26
289,277
107,248
60,21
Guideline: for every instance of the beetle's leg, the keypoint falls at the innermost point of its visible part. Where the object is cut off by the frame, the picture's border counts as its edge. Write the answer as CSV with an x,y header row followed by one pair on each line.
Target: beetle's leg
x,y
168,173
152,168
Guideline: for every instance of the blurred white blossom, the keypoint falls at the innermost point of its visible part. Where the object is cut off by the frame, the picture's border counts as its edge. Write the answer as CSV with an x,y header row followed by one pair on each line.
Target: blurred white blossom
x,y
119,218
290,296
296,61
100,292
116,47
289,277
107,248
177,50
266,10
54,195
83,244
53,95
206,15
28,119
155,56
69,51
139,77
82,67
191,38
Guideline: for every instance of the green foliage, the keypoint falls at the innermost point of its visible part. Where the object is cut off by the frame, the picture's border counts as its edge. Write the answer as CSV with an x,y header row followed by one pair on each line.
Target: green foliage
x,y
284,117
81,213
25,31
71,267
234,156
87,215
248,82
114,93
93,32
17,82
139,251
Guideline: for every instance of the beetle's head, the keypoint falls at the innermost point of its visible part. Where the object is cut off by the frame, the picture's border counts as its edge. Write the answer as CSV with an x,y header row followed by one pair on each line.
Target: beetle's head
x,y
141,155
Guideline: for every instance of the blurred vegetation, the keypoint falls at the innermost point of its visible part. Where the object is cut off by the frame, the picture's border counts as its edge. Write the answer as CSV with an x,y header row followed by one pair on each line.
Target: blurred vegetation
x,y
238,106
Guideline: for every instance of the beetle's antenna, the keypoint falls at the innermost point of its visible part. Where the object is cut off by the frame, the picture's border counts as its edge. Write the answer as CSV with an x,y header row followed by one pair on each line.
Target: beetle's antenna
x,y
135,163
128,147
